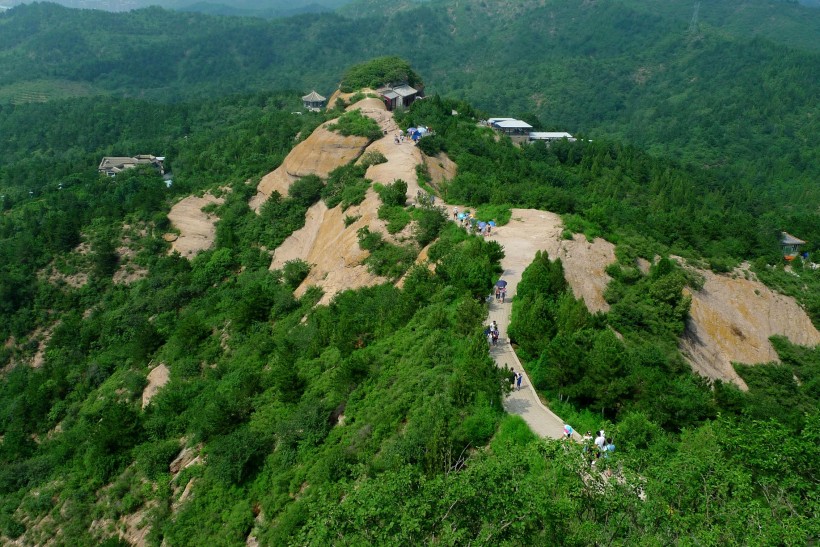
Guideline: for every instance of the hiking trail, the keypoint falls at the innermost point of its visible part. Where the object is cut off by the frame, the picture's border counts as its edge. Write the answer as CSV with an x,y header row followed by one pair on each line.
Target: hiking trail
x,y
521,238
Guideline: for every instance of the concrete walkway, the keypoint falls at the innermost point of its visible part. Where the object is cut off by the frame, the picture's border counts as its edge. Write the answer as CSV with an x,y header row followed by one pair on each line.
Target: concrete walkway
x,y
521,238
523,402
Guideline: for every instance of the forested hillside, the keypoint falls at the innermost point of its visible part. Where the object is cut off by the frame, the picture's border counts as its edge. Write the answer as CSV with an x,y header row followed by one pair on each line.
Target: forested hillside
x,y
377,419
299,422
716,96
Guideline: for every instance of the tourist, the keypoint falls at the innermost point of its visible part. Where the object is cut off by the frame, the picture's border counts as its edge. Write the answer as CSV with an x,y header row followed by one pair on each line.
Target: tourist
x,y
600,441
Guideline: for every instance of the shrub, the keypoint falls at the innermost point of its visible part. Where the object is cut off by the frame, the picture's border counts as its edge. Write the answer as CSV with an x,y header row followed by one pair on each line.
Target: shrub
x,y
153,458
423,174
346,185
501,214
374,157
354,194
394,193
295,271
431,145
356,123
385,259
307,190
430,221
397,217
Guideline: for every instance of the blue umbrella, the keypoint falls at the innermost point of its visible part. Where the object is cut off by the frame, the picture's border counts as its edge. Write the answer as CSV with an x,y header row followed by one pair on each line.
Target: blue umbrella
x,y
462,216
492,223
482,225
501,283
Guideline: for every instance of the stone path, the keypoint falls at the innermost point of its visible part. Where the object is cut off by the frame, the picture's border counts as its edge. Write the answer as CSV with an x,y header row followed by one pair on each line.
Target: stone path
x,y
520,245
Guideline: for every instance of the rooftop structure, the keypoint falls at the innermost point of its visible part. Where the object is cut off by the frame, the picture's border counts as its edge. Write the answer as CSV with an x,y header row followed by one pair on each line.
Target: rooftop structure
x,y
313,101
511,127
790,245
398,96
111,165
550,136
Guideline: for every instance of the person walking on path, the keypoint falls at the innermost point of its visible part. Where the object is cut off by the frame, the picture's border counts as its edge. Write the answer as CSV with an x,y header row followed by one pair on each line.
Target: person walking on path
x,y
518,381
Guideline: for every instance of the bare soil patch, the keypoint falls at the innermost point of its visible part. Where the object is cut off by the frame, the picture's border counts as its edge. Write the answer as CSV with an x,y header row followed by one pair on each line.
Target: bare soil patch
x,y
584,262
441,168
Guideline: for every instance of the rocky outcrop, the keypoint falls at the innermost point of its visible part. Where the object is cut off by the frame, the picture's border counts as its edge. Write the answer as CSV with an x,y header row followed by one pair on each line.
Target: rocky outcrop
x,y
319,154
197,229
731,320
332,249
157,378
325,242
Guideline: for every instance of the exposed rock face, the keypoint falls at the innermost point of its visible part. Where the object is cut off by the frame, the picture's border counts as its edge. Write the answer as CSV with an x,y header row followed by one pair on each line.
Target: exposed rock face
x,y
319,154
731,320
157,378
325,242
332,249
197,228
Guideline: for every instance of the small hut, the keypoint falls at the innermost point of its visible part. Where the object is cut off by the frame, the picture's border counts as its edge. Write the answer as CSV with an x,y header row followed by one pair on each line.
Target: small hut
x,y
313,101
790,245
398,96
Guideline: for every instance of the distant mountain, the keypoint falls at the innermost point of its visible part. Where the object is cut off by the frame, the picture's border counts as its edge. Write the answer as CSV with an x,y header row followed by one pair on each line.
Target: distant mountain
x,y
257,8
267,12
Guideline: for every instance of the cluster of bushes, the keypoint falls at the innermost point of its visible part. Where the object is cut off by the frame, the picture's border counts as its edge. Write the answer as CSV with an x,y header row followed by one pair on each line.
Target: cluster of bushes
x,y
346,185
386,259
378,72
356,123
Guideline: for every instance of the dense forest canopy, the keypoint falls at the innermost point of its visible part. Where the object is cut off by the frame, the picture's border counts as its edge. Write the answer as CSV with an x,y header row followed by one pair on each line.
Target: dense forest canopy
x,y
377,418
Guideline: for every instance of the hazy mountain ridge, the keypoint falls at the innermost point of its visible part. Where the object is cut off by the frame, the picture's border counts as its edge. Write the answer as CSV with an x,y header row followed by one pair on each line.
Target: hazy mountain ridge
x,y
267,8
